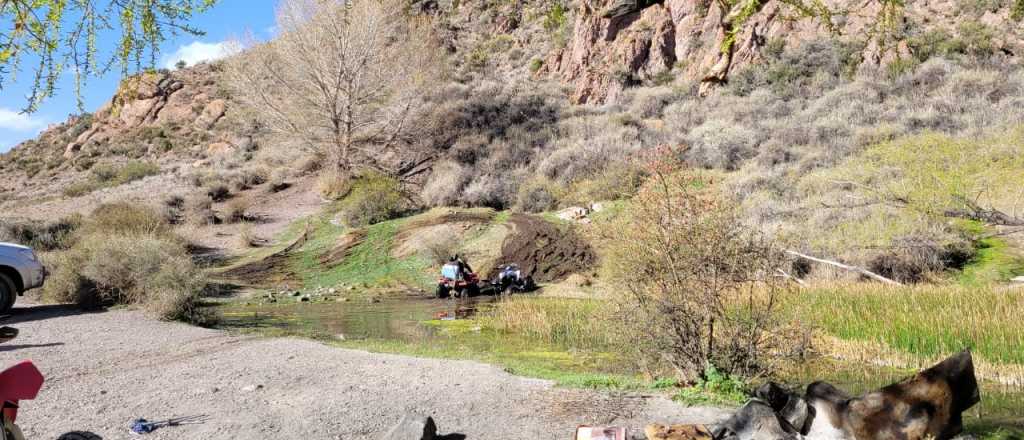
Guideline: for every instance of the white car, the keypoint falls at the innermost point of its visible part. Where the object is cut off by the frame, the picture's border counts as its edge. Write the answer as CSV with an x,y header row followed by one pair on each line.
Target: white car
x,y
20,270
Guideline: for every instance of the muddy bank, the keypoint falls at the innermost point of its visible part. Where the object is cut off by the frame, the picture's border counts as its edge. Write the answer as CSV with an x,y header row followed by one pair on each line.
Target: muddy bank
x,y
545,251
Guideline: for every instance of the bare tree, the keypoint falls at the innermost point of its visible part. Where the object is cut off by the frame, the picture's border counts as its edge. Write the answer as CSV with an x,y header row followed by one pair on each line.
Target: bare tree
x,y
344,78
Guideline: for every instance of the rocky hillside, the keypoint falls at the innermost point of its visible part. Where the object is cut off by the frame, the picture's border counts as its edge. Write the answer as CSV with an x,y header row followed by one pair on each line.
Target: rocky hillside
x,y
619,43
163,118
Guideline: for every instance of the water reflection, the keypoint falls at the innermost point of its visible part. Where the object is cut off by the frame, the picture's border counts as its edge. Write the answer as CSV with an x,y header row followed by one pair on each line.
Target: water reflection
x,y
392,319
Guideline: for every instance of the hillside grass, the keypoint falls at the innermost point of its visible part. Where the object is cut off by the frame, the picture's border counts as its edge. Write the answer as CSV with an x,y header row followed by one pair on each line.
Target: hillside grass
x,y
109,175
369,263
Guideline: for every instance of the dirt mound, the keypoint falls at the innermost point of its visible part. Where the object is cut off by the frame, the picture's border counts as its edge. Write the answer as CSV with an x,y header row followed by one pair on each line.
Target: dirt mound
x,y
544,251
343,249
269,270
421,234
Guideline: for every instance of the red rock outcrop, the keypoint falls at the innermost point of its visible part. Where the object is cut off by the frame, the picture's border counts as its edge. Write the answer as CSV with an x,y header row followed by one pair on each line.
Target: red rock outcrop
x,y
686,37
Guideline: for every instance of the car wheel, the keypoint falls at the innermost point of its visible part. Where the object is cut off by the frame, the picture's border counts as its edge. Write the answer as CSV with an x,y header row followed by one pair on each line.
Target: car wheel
x,y
442,291
8,294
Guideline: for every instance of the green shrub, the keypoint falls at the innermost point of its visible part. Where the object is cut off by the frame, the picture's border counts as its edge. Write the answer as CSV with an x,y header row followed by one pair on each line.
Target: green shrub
x,y
555,18
81,188
374,198
978,38
135,170
105,175
714,388
536,64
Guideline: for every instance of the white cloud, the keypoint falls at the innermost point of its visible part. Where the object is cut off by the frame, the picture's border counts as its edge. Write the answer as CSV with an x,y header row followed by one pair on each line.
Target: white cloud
x,y
198,51
20,122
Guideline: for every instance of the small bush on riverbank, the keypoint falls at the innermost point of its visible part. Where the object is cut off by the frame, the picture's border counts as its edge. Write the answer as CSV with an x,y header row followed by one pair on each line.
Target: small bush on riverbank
x,y
697,287
127,254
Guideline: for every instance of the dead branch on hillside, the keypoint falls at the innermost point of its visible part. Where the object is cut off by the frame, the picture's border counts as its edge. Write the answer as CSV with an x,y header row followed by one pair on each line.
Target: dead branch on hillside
x,y
848,267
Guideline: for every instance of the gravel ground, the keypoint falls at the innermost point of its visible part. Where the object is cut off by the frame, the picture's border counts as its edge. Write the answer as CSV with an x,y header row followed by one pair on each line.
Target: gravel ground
x,y
105,369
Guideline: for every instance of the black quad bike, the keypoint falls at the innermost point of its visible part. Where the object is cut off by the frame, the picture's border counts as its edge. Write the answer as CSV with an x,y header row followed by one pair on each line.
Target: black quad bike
x,y
510,279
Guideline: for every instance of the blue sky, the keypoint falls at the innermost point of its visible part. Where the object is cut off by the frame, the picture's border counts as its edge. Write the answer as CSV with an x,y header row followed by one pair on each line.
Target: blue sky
x,y
227,20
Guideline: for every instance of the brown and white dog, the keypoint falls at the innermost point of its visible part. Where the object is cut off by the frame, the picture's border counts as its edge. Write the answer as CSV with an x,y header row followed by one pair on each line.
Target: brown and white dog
x,y
928,405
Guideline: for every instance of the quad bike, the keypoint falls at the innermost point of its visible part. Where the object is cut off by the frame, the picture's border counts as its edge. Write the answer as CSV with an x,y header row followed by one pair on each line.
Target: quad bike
x,y
510,280
17,383
453,282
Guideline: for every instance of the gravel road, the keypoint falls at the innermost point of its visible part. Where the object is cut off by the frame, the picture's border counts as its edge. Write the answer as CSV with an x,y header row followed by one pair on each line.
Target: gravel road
x,y
105,369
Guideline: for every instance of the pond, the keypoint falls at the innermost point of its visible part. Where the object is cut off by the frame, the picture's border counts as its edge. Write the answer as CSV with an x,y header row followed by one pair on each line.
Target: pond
x,y
389,319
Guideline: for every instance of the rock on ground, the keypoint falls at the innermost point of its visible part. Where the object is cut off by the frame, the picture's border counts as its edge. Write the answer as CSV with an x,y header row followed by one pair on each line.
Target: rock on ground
x,y
104,370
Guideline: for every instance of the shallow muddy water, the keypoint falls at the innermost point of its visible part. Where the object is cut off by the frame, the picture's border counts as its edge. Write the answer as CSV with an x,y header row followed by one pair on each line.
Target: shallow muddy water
x,y
390,319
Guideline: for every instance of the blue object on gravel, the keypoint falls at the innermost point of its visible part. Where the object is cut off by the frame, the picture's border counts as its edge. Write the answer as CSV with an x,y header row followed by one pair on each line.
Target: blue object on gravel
x,y
141,426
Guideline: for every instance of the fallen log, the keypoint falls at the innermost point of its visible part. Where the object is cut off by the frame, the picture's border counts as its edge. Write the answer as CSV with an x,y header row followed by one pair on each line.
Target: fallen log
x,y
848,267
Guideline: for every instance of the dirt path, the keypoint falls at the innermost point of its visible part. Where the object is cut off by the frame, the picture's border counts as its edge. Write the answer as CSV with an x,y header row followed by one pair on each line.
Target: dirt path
x,y
105,369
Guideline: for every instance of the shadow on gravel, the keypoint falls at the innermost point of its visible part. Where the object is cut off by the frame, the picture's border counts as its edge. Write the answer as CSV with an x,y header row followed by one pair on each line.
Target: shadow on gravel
x,y
38,313
4,348
80,435
451,437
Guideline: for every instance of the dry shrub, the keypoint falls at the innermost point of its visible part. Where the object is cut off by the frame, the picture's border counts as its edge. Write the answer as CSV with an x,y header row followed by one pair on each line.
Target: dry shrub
x,y
496,191
48,236
913,258
174,209
218,192
698,287
440,248
199,210
538,195
127,254
333,185
444,188
247,237
238,210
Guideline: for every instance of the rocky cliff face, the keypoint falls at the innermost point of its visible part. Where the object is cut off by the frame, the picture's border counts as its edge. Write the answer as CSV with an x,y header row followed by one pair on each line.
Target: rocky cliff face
x,y
618,43
185,104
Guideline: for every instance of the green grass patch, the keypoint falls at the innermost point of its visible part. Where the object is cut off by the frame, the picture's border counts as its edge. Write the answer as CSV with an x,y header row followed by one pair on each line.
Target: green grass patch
x,y
925,321
716,388
369,263
109,175
995,261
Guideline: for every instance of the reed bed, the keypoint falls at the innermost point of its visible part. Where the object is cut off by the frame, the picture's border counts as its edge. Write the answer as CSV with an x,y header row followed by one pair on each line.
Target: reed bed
x,y
927,322
581,324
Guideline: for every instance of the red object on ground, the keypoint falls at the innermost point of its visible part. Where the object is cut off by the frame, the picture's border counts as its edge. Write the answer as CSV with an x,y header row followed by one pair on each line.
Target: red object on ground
x,y
20,382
